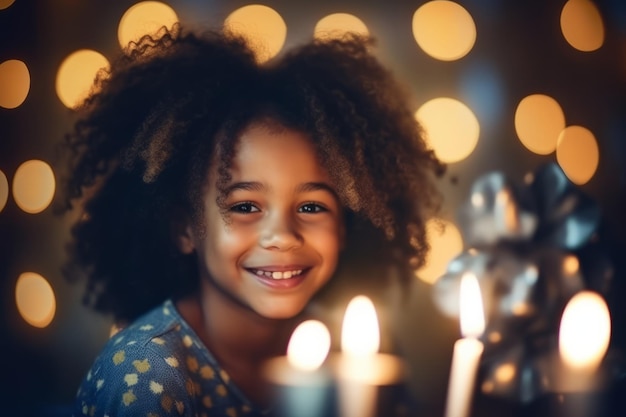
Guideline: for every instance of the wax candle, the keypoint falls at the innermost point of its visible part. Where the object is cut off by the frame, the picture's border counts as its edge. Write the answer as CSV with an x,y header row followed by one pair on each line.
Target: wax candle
x,y
584,336
302,386
467,350
360,368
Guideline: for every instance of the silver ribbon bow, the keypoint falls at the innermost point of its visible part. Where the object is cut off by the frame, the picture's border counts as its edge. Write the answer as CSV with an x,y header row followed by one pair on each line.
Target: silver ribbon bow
x,y
527,245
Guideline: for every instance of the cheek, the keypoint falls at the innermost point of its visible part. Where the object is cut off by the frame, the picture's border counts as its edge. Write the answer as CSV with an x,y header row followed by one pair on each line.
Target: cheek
x,y
329,239
230,240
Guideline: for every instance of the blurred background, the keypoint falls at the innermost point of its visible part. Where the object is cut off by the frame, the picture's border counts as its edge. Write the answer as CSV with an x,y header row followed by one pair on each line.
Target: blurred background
x,y
498,85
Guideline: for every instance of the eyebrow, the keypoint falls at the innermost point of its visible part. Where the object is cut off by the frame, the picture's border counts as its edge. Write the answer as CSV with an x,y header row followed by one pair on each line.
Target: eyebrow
x,y
243,186
302,188
316,186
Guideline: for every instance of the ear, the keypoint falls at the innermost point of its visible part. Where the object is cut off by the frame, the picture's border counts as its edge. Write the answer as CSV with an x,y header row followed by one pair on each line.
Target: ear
x,y
182,233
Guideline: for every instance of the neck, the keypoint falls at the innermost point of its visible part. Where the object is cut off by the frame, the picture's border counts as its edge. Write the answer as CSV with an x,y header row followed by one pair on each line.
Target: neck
x,y
240,330
240,339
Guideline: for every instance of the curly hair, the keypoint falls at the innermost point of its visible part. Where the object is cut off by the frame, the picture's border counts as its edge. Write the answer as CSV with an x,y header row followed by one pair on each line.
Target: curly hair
x,y
139,154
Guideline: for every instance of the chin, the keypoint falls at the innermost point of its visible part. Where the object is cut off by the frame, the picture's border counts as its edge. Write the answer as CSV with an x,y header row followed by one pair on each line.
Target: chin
x,y
281,313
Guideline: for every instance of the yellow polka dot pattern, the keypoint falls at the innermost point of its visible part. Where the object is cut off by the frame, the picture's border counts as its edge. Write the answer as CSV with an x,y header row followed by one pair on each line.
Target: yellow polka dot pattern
x,y
119,357
142,366
131,379
128,397
158,367
207,372
155,387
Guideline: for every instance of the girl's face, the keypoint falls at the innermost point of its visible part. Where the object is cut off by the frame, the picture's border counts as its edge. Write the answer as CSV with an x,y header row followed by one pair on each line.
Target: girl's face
x,y
279,240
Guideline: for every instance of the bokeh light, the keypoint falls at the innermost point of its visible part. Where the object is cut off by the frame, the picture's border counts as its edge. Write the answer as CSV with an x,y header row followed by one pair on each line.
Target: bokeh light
x,y
76,76
6,3
452,129
444,30
4,190
33,186
337,24
35,299
577,153
582,25
144,18
446,242
505,373
263,28
571,265
539,120
14,83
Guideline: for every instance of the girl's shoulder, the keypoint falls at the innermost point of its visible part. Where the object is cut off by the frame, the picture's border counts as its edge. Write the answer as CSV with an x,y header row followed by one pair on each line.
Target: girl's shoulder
x,y
160,336
161,320
157,365
138,370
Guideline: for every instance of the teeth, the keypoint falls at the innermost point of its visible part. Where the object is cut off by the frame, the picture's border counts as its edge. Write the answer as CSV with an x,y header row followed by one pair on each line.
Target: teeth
x,y
277,274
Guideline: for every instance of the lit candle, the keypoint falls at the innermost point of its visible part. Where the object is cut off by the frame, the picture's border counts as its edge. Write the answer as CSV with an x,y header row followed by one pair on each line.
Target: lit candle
x,y
361,368
467,350
584,337
303,388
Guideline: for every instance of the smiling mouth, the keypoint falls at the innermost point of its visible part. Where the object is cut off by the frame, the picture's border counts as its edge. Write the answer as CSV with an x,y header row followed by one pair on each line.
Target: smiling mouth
x,y
276,274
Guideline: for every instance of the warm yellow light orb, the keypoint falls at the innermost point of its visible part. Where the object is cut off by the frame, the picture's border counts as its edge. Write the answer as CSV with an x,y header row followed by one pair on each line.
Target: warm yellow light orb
x,y
14,83
505,372
76,76
446,243
262,26
452,129
578,154
337,24
33,186
6,3
4,190
582,25
35,299
539,120
144,18
444,30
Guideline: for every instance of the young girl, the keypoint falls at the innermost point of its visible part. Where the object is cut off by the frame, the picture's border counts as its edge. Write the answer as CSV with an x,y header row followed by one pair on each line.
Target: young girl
x,y
219,196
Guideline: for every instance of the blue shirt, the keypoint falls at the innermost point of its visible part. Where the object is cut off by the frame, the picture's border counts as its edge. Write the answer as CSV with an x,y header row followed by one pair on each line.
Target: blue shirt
x,y
158,366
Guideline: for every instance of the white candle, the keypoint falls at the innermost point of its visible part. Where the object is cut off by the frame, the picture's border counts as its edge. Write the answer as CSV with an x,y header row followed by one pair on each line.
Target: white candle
x,y
303,388
467,350
361,368
584,336
360,340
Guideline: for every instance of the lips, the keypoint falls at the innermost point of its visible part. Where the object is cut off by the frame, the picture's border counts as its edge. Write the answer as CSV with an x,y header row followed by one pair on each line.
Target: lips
x,y
280,277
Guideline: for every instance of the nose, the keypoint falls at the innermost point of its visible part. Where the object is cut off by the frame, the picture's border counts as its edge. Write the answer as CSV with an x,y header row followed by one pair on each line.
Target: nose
x,y
280,232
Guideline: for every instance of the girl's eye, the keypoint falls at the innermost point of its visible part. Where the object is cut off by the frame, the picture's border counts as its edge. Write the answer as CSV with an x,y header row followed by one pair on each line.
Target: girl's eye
x,y
312,208
244,208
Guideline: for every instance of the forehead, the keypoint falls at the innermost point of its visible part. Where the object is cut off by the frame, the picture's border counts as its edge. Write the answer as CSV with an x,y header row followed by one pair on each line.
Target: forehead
x,y
264,149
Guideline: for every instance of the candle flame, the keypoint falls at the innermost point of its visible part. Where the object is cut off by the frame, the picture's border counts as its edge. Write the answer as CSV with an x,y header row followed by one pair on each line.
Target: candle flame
x,y
585,330
472,315
360,335
309,345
